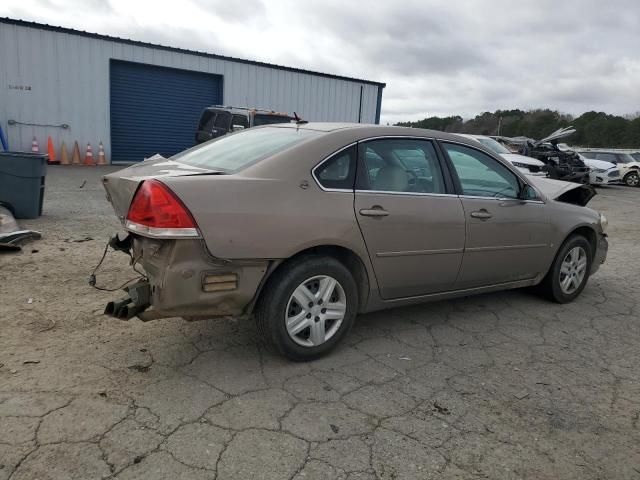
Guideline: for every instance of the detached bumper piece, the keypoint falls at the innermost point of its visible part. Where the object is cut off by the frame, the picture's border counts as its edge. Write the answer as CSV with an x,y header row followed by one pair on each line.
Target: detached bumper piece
x,y
134,304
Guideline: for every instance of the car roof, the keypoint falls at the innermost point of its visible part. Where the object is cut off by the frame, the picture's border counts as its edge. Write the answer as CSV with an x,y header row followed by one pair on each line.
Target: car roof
x,y
364,130
475,137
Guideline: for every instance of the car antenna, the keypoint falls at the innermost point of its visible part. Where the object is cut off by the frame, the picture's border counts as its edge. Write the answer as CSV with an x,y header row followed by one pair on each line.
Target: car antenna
x,y
299,121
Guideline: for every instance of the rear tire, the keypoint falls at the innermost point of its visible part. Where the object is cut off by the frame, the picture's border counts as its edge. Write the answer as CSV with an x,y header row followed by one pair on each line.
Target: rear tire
x,y
290,314
569,272
632,179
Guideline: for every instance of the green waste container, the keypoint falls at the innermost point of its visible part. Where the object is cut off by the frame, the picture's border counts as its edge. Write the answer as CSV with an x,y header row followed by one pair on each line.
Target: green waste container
x,y
22,177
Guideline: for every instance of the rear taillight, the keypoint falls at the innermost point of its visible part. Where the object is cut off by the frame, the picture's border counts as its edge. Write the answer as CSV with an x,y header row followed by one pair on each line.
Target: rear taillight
x,y
156,212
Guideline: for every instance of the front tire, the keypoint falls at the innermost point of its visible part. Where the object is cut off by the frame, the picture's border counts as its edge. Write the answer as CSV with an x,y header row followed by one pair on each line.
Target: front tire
x,y
307,307
632,179
569,272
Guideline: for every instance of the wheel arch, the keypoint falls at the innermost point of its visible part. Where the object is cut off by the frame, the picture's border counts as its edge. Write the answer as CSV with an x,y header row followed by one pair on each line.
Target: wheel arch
x,y
345,255
585,231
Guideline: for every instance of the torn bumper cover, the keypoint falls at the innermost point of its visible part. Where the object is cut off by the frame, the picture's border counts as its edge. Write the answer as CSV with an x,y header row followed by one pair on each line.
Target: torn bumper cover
x,y
181,284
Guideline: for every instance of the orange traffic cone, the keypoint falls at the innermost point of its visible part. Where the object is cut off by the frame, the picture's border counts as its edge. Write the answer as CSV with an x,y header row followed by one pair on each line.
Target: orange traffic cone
x,y
52,152
88,156
34,146
102,159
75,158
64,155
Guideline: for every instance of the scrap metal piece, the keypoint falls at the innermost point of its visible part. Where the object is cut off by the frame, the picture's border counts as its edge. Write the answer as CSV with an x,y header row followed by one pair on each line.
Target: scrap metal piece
x,y
14,238
7,221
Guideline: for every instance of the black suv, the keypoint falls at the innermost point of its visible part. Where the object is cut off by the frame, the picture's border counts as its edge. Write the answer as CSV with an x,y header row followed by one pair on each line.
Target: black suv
x,y
218,120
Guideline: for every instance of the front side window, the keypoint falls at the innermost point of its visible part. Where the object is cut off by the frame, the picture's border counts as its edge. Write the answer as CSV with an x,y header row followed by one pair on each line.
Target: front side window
x,y
480,175
339,171
400,165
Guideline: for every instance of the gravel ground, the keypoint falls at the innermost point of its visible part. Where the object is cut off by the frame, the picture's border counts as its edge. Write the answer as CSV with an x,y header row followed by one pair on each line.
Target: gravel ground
x,y
495,386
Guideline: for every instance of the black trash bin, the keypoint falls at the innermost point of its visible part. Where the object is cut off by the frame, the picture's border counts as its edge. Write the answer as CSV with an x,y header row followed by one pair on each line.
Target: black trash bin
x,y
22,177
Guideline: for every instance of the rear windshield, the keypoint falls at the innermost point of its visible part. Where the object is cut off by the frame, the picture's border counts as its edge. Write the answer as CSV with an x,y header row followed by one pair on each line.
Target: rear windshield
x,y
234,152
262,119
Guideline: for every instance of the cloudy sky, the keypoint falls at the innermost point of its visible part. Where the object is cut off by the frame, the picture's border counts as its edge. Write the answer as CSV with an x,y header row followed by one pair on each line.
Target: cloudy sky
x,y
437,57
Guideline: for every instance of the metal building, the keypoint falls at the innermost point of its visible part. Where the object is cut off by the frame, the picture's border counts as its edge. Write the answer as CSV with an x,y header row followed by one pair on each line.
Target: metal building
x,y
78,86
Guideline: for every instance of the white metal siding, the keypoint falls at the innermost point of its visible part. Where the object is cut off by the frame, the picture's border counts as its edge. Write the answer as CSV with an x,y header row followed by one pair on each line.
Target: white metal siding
x,y
69,79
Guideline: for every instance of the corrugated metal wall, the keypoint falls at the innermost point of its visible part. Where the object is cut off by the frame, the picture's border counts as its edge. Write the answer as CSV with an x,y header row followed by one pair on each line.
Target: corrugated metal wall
x,y
51,77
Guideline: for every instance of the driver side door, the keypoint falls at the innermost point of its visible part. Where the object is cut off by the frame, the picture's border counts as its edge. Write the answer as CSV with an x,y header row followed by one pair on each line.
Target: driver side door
x,y
507,238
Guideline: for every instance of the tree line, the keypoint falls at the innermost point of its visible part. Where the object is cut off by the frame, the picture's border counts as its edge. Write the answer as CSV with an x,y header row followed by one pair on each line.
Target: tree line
x,y
593,129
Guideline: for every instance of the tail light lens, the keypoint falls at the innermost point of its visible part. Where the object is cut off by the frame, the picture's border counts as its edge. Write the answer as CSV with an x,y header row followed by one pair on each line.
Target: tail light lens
x,y
156,212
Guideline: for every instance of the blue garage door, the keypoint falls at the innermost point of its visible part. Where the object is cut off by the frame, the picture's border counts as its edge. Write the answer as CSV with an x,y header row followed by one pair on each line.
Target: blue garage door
x,y
156,109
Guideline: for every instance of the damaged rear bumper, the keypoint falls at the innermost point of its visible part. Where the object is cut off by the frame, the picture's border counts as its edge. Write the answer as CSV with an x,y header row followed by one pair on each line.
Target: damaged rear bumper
x,y
183,280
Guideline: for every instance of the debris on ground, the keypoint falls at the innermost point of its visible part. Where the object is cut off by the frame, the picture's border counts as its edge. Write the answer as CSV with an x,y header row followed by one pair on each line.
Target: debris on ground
x,y
140,368
11,235
440,409
28,362
79,240
521,395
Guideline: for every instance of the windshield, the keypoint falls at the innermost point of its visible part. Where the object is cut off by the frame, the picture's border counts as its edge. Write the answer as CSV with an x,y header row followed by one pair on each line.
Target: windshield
x,y
237,151
625,158
268,119
491,144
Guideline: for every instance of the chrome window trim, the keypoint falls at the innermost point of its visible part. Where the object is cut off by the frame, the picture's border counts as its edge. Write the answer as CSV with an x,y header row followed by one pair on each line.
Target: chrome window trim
x,y
500,199
410,194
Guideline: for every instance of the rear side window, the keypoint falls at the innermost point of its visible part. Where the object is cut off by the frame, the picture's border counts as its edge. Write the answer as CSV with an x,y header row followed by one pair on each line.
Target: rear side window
x,y
232,153
339,171
240,120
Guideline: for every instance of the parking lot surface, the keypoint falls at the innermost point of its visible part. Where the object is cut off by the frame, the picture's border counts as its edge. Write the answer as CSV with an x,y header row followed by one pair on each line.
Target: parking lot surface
x,y
496,386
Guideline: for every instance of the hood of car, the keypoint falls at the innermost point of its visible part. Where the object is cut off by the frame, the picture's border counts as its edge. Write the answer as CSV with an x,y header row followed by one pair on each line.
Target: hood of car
x,y
560,133
567,192
515,157
599,164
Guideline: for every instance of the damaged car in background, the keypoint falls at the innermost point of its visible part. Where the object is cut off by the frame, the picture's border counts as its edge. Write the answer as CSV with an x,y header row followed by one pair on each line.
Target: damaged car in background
x,y
527,165
560,164
303,227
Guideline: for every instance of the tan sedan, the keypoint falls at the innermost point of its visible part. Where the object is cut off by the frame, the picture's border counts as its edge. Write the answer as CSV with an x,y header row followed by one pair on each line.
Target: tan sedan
x,y
305,226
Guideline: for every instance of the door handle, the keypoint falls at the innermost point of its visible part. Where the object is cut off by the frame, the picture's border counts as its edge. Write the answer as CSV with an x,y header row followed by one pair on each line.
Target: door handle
x,y
375,211
481,214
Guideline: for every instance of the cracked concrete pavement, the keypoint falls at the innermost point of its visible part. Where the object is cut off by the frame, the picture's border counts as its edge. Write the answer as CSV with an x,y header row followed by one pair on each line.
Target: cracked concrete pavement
x,y
499,386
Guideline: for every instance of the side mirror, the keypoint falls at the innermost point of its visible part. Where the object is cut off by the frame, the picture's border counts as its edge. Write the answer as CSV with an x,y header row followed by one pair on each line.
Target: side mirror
x,y
237,128
527,193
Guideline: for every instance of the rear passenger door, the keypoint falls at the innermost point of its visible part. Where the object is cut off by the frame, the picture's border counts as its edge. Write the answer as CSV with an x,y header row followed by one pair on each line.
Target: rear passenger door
x,y
411,220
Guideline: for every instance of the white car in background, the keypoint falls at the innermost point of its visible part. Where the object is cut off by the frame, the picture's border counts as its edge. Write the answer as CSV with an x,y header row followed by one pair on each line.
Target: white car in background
x,y
602,173
629,167
527,165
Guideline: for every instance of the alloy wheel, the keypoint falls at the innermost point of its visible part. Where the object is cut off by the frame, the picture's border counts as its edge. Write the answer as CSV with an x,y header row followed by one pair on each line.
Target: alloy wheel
x,y
315,311
573,270
632,179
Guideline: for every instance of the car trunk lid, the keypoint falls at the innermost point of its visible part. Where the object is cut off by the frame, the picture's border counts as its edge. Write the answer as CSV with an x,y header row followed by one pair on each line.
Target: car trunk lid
x,y
122,185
